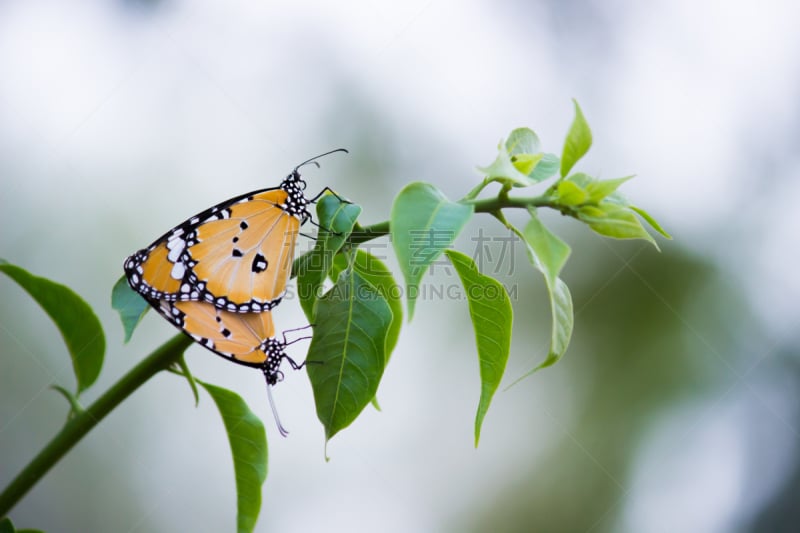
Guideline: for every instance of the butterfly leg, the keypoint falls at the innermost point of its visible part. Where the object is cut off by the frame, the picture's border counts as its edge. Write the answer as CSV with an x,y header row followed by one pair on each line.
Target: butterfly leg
x,y
298,366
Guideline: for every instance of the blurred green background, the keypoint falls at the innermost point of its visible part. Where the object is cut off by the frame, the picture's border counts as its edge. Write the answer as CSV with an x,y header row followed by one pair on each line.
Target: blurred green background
x,y
676,406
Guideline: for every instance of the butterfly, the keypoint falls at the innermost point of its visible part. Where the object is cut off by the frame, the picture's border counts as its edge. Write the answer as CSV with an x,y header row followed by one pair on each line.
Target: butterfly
x,y
236,255
245,338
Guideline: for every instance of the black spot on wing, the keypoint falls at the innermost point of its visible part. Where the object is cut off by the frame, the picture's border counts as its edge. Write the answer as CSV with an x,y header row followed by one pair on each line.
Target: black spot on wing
x,y
260,263
237,253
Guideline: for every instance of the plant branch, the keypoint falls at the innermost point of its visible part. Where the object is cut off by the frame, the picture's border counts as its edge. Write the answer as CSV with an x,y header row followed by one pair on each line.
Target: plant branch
x,y
362,234
78,426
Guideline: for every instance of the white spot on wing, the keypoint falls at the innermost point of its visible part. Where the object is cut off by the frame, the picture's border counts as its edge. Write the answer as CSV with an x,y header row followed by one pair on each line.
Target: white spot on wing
x,y
178,270
175,246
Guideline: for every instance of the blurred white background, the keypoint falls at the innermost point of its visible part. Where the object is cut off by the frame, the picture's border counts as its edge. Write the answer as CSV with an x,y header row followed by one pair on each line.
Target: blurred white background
x,y
676,407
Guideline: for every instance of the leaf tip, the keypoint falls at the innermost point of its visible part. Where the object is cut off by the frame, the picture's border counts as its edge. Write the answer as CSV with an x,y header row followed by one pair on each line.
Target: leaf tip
x,y
478,424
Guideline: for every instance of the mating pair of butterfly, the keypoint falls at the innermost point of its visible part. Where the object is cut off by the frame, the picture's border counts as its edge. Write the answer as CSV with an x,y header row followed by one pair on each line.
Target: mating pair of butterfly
x,y
218,275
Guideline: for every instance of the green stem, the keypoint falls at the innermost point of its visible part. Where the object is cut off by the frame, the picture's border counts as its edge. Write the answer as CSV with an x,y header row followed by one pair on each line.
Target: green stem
x,y
503,201
488,205
75,429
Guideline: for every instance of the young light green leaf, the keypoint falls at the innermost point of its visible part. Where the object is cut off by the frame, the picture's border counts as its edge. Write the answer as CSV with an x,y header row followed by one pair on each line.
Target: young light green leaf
x,y
581,179
347,353
526,163
592,211
650,220
577,143
617,198
129,304
503,170
545,168
492,317
599,189
570,193
548,254
423,224
379,276
76,321
525,150
618,223
336,221
516,160
248,441
522,141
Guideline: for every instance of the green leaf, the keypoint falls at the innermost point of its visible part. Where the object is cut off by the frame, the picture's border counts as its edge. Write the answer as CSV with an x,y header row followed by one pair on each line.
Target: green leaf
x,y
577,143
76,321
548,254
129,304
650,220
546,168
336,221
248,441
492,317
379,276
617,222
423,224
347,353
599,189
570,193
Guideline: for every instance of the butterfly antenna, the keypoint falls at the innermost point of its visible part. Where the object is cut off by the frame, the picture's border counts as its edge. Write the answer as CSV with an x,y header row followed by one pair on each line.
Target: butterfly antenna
x,y
281,429
314,159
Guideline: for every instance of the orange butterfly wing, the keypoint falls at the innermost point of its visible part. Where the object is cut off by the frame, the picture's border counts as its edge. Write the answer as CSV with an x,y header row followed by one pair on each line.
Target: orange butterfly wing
x,y
244,338
237,255
248,256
